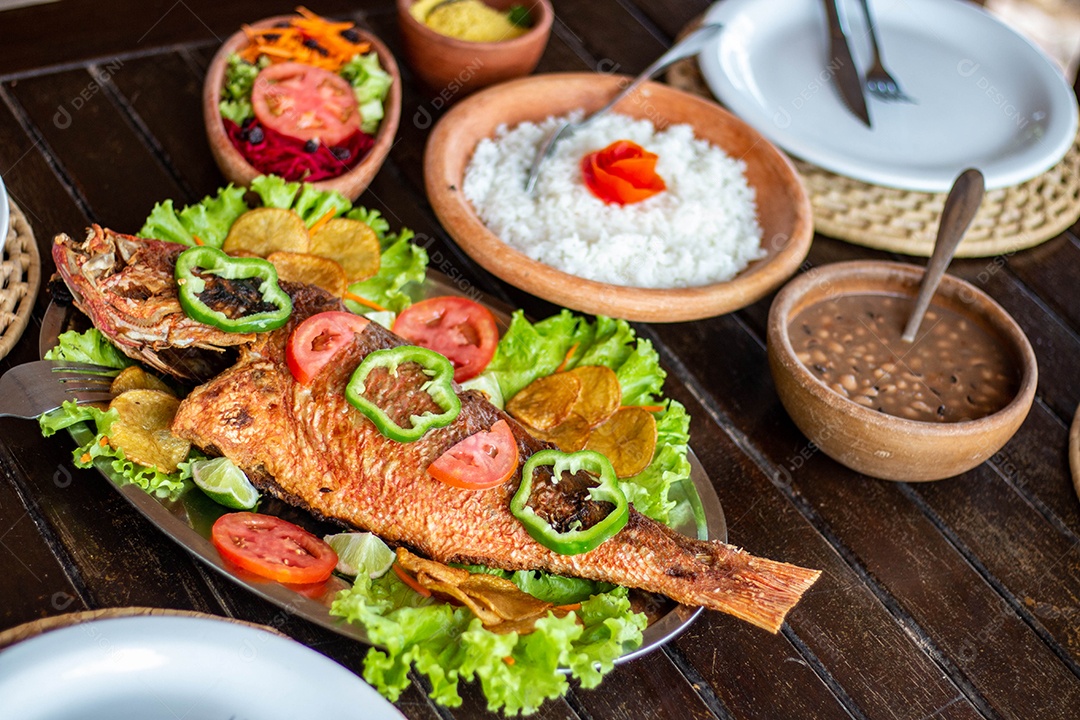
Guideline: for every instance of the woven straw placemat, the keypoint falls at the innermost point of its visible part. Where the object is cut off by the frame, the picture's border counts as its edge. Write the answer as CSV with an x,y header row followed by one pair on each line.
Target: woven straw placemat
x,y
37,627
904,221
20,274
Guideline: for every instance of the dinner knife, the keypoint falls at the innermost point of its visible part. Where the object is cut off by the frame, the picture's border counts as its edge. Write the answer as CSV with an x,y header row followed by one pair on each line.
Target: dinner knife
x,y
843,67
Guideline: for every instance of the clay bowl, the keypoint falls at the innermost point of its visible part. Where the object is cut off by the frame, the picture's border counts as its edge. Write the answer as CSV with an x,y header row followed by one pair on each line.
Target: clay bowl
x,y
455,68
872,442
783,206
237,170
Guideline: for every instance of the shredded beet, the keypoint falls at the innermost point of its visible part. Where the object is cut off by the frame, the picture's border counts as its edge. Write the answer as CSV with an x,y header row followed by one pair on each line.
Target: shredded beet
x,y
282,155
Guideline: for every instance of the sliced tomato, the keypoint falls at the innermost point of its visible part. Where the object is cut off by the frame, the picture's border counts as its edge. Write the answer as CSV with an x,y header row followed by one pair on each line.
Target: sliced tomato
x,y
480,461
462,330
273,548
315,341
305,102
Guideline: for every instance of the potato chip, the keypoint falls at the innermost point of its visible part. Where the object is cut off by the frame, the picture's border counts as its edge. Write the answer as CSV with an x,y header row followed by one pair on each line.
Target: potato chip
x,y
627,439
310,269
135,378
569,436
265,230
142,430
600,393
545,402
352,244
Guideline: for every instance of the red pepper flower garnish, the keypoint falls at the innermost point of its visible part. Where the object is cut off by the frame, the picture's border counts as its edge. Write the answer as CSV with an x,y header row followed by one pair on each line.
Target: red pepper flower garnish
x,y
623,173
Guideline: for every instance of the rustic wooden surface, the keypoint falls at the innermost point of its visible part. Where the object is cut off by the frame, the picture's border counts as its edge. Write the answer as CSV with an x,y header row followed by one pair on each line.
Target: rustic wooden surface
x,y
958,599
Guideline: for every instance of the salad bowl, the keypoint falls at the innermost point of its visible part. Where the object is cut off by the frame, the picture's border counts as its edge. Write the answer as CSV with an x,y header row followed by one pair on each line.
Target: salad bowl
x,y
237,169
783,207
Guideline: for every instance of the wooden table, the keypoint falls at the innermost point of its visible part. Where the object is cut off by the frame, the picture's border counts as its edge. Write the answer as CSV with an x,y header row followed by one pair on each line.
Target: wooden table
x,y
957,599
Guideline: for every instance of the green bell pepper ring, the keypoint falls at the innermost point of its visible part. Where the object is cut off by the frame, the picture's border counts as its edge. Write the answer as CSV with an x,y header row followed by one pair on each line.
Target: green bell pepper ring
x,y
272,307
574,541
440,387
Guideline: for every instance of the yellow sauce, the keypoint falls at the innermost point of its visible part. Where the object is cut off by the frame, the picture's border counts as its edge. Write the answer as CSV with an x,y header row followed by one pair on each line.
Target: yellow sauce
x,y
469,20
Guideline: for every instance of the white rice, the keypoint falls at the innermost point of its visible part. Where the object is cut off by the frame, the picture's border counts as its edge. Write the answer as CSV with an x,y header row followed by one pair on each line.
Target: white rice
x,y
703,229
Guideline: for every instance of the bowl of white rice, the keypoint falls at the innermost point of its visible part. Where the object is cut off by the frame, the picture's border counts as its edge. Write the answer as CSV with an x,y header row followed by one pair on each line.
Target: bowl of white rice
x,y
732,223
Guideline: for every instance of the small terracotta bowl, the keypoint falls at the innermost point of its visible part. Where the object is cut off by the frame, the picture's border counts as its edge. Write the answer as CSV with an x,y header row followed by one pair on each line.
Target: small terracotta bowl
x,y
456,68
872,442
237,170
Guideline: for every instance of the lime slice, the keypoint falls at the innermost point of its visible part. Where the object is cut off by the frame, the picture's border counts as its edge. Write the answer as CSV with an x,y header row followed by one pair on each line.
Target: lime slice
x,y
361,553
224,483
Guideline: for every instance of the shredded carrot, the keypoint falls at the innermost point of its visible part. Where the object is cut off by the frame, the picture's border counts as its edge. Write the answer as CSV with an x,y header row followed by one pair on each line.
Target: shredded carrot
x,y
650,408
198,240
308,39
103,441
363,301
509,660
566,360
85,458
322,221
410,581
568,608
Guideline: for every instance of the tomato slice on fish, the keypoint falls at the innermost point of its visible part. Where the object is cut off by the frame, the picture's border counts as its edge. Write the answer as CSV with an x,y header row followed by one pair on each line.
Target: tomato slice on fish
x,y
305,102
315,341
273,548
462,330
480,461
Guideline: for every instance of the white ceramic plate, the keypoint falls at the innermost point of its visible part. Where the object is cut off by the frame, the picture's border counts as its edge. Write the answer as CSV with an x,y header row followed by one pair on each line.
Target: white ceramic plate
x,y
986,97
5,218
163,668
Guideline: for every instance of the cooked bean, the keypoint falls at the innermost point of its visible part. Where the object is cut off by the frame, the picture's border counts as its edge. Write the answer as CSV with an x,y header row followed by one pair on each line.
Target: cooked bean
x,y
955,371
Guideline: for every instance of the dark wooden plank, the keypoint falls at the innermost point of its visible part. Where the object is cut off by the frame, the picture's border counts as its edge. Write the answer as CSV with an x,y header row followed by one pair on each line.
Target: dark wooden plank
x,y
166,94
672,17
845,627
94,144
1049,270
649,687
76,31
624,46
35,582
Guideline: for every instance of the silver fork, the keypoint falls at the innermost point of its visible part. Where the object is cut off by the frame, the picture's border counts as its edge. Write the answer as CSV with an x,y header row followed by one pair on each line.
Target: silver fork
x,y
878,80
28,390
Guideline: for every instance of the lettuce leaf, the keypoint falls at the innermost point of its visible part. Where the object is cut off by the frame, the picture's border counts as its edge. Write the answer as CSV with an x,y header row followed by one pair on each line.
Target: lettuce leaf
x,y
531,350
370,84
94,449
448,644
208,219
88,347
235,102
402,264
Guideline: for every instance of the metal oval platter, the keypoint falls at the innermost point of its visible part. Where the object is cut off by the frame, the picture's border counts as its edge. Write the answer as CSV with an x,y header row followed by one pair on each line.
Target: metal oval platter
x,y
187,519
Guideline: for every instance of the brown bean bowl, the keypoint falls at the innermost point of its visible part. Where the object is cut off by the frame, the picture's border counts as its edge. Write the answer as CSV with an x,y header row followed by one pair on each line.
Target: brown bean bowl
x,y
873,443
783,208
456,67
238,170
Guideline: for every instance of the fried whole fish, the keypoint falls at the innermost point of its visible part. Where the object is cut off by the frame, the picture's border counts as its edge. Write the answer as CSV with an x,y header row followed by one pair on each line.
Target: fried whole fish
x,y
308,446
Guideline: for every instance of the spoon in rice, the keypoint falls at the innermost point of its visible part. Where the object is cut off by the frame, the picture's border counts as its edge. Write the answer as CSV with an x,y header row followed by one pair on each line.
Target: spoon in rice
x,y
692,44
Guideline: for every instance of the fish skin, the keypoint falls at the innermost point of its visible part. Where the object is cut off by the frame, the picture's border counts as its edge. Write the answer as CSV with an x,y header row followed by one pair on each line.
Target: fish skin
x,y
125,285
308,446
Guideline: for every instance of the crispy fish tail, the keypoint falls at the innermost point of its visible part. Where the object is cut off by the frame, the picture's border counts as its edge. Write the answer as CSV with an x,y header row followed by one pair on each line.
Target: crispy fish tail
x,y
698,572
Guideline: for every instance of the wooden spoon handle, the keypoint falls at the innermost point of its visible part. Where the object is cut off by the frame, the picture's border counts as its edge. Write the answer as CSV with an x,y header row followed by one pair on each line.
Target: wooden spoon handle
x,y
963,202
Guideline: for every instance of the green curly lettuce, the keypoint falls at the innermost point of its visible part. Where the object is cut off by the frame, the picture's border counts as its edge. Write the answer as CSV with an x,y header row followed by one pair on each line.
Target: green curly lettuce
x,y
370,85
448,644
402,264
532,350
88,347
